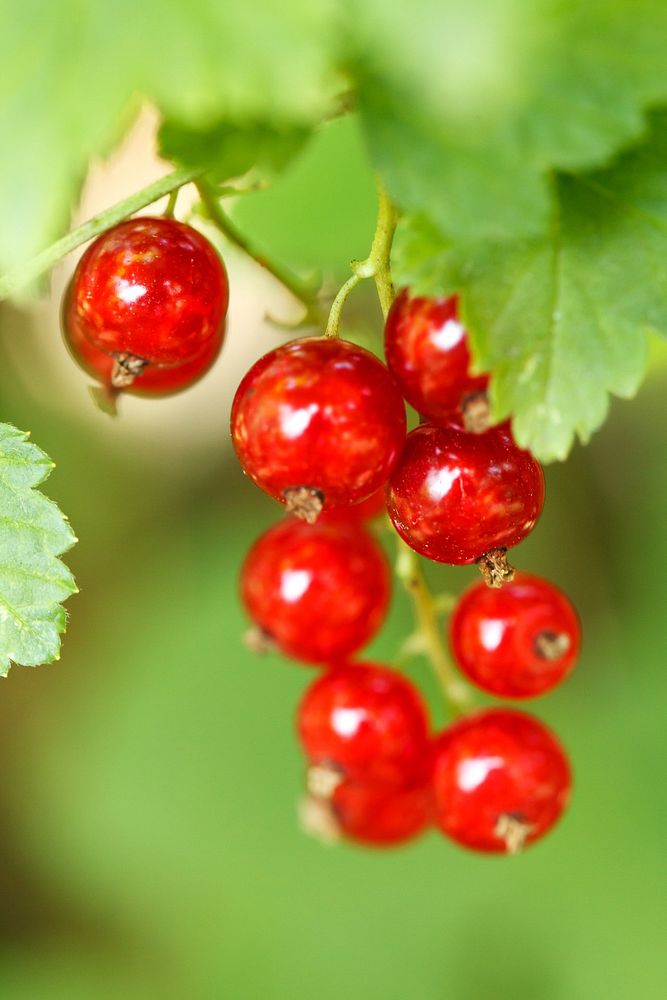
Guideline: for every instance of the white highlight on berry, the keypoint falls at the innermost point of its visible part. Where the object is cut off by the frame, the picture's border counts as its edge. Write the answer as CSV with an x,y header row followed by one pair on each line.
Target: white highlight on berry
x,y
294,583
448,335
472,773
346,721
491,632
294,422
129,291
440,482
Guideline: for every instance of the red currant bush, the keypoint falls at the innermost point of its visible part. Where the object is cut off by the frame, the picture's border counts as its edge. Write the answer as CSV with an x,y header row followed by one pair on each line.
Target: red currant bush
x,y
318,423
454,497
152,381
427,352
368,723
320,592
516,642
150,291
500,780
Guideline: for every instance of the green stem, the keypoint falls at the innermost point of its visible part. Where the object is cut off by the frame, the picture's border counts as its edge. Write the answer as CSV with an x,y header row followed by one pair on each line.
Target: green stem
x,y
171,204
376,265
380,253
299,289
333,322
456,692
18,277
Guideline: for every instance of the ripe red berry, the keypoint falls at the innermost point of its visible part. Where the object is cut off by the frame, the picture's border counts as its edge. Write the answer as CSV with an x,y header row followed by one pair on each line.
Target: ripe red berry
x,y
358,513
320,592
455,496
517,642
318,423
367,722
500,780
427,352
379,815
153,380
150,290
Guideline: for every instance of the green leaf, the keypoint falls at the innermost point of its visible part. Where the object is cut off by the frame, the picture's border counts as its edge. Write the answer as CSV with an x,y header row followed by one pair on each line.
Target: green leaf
x,y
226,150
561,319
33,533
73,74
467,103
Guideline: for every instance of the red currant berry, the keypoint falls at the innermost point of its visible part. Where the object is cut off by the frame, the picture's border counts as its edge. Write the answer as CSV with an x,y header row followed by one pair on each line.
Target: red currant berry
x,y
454,497
150,291
367,722
318,423
500,780
358,513
427,352
153,380
379,815
517,642
320,592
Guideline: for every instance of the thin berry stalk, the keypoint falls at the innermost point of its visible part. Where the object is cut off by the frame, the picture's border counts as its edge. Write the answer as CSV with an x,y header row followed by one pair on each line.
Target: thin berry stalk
x,y
457,694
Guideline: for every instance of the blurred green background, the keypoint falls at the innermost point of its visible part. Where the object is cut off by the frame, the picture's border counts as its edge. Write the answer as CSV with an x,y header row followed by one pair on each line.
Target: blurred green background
x,y
148,835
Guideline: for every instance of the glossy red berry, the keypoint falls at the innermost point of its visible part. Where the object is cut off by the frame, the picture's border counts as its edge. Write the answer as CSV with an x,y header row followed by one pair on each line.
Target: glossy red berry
x,y
318,423
358,513
378,815
427,352
500,779
151,288
320,591
455,496
367,722
152,380
516,642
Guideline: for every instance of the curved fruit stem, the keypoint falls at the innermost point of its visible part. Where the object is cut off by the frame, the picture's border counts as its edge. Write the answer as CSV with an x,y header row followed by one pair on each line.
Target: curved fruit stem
x,y
301,290
171,204
18,277
457,694
376,265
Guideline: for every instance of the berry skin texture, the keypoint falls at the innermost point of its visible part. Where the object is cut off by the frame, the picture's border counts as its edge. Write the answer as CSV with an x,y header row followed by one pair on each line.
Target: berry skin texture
x,y
517,642
379,816
500,780
320,592
153,380
427,352
358,513
454,496
319,415
367,722
152,288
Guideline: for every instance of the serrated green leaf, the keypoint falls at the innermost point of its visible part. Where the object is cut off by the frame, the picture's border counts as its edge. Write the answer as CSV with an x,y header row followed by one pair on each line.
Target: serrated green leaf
x,y
33,533
561,320
466,103
73,74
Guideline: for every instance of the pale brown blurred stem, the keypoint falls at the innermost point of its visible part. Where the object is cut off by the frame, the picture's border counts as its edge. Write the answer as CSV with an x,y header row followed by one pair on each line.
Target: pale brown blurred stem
x,y
457,694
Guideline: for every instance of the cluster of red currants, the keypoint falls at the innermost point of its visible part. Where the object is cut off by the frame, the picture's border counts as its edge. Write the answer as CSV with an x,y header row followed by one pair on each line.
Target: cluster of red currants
x,y
319,424
145,310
